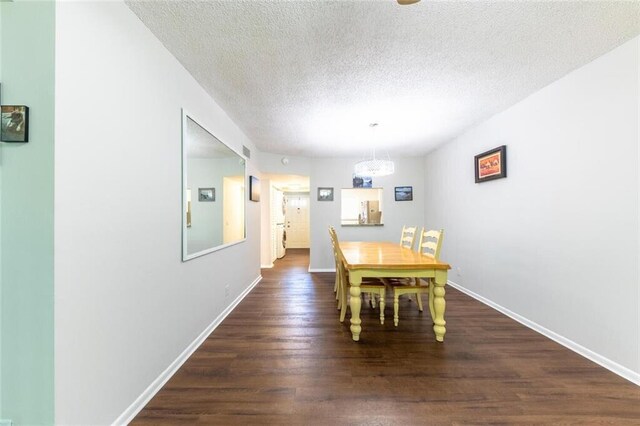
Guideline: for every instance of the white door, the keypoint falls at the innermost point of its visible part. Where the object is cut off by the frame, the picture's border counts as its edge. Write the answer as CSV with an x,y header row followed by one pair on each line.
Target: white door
x,y
297,220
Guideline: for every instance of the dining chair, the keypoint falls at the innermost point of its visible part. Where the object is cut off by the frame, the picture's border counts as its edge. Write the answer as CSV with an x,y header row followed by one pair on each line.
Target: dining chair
x,y
429,245
407,239
334,237
373,286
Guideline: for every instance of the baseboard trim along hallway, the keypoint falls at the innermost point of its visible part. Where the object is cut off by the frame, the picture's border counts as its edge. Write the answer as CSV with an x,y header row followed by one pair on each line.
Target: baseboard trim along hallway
x,y
127,416
610,365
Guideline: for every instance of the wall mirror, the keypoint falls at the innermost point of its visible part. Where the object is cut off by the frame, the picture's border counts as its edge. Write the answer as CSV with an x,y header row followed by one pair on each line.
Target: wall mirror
x,y
213,192
361,207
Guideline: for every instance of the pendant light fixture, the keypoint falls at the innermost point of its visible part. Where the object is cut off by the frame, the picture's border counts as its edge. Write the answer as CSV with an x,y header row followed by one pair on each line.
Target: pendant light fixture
x,y
374,166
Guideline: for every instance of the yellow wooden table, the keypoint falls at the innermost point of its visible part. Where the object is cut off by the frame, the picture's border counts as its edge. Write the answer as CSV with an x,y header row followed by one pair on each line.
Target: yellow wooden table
x,y
384,259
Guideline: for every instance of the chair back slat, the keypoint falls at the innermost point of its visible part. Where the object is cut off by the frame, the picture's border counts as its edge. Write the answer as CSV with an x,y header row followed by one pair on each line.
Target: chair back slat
x,y
430,243
408,236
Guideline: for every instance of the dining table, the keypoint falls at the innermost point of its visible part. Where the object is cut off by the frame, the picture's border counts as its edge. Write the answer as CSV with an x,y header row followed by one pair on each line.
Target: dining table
x,y
385,259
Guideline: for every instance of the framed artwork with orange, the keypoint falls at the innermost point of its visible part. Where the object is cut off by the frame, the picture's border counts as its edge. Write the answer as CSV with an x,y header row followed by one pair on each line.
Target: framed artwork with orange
x,y
491,164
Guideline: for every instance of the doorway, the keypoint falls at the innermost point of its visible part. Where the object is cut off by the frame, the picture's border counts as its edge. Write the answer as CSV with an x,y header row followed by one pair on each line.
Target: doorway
x,y
286,218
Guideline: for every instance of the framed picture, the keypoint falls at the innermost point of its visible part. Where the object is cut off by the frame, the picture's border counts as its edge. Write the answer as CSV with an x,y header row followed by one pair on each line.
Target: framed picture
x,y
206,194
404,193
491,164
254,188
325,194
362,182
14,124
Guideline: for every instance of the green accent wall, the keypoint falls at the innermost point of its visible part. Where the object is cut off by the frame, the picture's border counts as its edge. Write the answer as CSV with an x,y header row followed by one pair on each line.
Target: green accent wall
x,y
0,227
27,37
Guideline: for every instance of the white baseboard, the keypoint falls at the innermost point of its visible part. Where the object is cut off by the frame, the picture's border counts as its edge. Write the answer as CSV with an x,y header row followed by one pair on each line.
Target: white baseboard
x,y
610,365
127,416
321,269
266,266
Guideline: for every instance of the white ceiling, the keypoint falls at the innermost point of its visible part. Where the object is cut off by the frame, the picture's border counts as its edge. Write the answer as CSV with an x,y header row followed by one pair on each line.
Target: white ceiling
x,y
307,77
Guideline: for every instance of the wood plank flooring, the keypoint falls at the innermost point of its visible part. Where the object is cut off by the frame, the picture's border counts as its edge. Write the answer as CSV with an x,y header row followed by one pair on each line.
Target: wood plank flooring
x,y
282,357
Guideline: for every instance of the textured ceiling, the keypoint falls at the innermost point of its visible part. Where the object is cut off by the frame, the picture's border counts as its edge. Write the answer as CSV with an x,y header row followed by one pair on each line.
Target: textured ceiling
x,y
307,77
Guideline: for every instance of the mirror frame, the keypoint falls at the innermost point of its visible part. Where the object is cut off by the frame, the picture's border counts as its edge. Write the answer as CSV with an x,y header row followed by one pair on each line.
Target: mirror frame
x,y
185,255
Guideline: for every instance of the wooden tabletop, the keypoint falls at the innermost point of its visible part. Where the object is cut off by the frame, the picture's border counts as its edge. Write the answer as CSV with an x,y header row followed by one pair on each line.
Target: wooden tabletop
x,y
365,254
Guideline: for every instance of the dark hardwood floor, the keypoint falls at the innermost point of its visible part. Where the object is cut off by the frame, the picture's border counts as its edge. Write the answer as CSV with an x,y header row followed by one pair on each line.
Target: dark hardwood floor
x,y
282,357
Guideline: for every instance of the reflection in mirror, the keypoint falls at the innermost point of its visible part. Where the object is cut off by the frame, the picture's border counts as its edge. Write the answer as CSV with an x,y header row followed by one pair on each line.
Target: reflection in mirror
x,y
212,192
361,207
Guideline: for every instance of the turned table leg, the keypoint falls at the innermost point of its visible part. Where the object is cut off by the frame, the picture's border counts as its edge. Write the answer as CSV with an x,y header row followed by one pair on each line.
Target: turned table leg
x,y
355,304
439,305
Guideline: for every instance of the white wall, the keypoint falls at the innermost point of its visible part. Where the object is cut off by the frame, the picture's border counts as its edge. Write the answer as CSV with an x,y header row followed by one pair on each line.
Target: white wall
x,y
638,98
125,304
556,242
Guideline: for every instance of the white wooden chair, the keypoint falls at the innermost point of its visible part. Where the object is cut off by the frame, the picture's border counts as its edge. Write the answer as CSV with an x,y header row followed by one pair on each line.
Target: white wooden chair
x,y
334,236
430,244
368,285
407,240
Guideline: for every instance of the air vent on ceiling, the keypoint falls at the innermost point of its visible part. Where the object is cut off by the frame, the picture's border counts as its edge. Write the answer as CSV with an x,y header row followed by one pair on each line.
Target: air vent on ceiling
x,y
246,151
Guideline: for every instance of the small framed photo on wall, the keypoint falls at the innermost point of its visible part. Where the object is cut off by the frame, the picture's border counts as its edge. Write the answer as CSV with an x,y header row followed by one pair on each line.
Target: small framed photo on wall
x,y
362,181
14,123
404,193
206,194
254,188
325,194
491,164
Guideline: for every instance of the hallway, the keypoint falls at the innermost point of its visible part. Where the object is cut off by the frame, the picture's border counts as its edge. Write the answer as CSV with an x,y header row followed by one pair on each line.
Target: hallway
x,y
282,357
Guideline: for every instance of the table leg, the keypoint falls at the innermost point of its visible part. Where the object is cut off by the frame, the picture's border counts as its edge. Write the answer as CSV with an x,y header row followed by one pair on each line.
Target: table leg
x,y
355,304
431,297
439,305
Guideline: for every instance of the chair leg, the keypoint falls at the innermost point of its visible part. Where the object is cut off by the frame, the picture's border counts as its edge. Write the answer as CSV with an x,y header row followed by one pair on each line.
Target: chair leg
x,y
416,281
395,309
382,306
419,299
344,304
372,300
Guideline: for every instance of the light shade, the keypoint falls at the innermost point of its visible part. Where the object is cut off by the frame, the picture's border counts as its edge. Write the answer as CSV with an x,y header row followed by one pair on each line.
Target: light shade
x,y
374,167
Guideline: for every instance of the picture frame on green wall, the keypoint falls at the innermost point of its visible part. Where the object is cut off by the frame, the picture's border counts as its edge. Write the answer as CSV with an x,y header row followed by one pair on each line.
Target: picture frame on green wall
x,y
14,123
